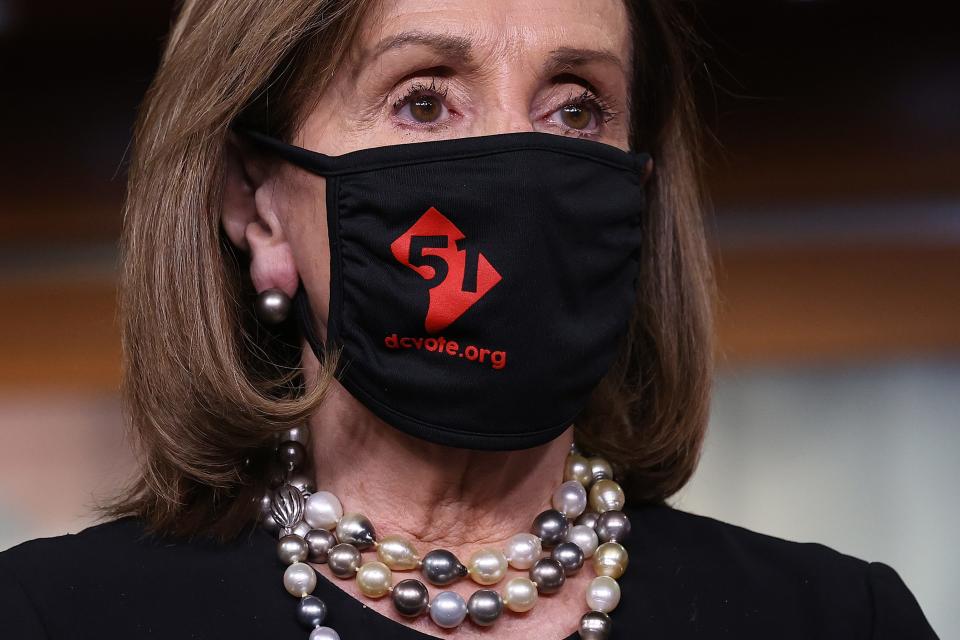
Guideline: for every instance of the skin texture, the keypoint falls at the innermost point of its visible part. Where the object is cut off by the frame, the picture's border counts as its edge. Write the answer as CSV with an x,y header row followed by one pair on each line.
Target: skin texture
x,y
526,61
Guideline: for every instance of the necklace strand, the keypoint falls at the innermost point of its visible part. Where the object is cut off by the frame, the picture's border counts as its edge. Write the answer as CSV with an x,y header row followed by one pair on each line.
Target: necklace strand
x,y
586,521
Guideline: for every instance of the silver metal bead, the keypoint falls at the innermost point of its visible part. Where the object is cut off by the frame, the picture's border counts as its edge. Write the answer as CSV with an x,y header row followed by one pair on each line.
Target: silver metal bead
x,y
273,306
589,518
324,633
356,529
344,560
570,499
319,542
595,625
448,609
584,537
441,567
613,526
292,548
484,607
291,454
569,555
299,579
410,597
548,574
301,529
287,507
311,611
550,526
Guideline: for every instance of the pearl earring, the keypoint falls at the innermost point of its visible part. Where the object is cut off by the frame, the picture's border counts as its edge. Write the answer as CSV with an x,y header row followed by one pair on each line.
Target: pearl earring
x,y
273,306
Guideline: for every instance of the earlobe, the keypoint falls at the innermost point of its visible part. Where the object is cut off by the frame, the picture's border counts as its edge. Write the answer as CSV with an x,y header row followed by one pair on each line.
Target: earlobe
x,y
249,218
647,171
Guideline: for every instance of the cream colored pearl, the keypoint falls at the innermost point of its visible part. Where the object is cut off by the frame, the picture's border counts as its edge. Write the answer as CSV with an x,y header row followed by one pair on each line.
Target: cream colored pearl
x,y
603,594
577,468
606,495
487,566
523,550
520,594
600,469
374,579
584,537
398,553
610,559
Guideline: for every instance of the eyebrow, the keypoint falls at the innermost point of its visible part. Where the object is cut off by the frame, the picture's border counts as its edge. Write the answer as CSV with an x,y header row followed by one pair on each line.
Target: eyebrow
x,y
462,48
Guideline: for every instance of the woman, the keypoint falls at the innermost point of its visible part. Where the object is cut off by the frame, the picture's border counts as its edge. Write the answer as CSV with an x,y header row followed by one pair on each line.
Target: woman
x,y
415,334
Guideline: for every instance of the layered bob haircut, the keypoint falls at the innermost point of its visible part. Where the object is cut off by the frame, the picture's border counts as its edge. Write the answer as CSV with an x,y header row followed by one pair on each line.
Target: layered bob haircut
x,y
206,389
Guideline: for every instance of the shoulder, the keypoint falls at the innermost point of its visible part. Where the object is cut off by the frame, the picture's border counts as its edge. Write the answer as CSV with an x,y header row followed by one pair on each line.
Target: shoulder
x,y
713,574
59,587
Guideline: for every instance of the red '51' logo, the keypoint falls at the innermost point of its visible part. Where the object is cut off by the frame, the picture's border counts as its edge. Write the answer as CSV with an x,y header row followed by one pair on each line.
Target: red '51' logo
x,y
458,274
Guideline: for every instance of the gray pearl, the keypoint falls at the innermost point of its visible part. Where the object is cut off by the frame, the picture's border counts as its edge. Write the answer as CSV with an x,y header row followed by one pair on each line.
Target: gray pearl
x,y
266,514
410,597
589,518
292,548
299,434
311,611
613,526
448,609
550,526
319,542
356,529
548,574
273,306
344,560
484,607
291,454
569,555
595,625
441,567
287,506
305,483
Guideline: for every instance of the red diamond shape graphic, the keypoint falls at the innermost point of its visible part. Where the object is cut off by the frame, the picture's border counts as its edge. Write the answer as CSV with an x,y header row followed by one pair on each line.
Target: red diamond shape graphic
x,y
458,273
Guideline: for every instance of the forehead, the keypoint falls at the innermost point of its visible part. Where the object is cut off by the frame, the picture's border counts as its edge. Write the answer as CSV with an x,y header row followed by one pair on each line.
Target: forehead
x,y
508,28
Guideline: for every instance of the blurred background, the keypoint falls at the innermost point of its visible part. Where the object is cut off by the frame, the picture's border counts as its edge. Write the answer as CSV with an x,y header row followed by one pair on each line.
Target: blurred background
x,y
833,164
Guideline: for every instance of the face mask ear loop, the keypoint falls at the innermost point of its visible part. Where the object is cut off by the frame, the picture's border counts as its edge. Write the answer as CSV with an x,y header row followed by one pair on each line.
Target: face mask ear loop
x,y
305,321
305,158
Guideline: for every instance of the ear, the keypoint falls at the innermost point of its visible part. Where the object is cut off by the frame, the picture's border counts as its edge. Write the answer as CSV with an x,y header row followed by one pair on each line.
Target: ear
x,y
251,220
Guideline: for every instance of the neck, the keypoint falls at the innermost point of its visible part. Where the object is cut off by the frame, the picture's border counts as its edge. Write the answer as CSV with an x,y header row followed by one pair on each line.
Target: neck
x,y
437,496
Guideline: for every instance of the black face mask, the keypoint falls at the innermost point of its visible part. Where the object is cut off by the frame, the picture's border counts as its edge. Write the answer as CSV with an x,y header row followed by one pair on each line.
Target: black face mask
x,y
479,287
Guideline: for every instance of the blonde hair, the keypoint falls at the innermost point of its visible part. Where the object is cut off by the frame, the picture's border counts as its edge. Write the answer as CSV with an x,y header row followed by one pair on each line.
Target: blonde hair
x,y
207,389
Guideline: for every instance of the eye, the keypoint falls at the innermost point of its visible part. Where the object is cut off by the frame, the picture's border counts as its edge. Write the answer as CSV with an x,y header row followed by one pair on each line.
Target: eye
x,y
583,113
422,103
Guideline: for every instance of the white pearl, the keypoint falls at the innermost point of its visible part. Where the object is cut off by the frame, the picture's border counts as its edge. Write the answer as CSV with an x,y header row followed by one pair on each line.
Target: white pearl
x,y
322,510
299,579
570,499
584,537
603,594
523,550
520,594
487,566
324,633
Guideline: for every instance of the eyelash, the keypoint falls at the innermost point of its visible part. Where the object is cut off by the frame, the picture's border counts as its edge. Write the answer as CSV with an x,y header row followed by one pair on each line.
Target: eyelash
x,y
603,108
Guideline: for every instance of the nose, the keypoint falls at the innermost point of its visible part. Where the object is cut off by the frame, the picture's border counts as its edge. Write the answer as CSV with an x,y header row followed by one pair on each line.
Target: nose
x,y
509,112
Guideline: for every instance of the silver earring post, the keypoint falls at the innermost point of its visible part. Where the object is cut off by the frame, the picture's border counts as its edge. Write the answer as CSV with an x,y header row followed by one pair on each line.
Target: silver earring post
x,y
273,306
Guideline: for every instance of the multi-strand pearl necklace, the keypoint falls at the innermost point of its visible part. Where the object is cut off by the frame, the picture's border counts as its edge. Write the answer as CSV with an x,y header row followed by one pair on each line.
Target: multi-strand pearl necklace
x,y
586,521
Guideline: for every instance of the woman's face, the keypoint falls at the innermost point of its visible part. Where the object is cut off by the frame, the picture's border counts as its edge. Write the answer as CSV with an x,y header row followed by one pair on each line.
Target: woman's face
x,y
433,69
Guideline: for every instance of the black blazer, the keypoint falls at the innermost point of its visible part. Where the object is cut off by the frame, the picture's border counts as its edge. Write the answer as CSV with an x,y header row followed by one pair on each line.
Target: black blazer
x,y
689,577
